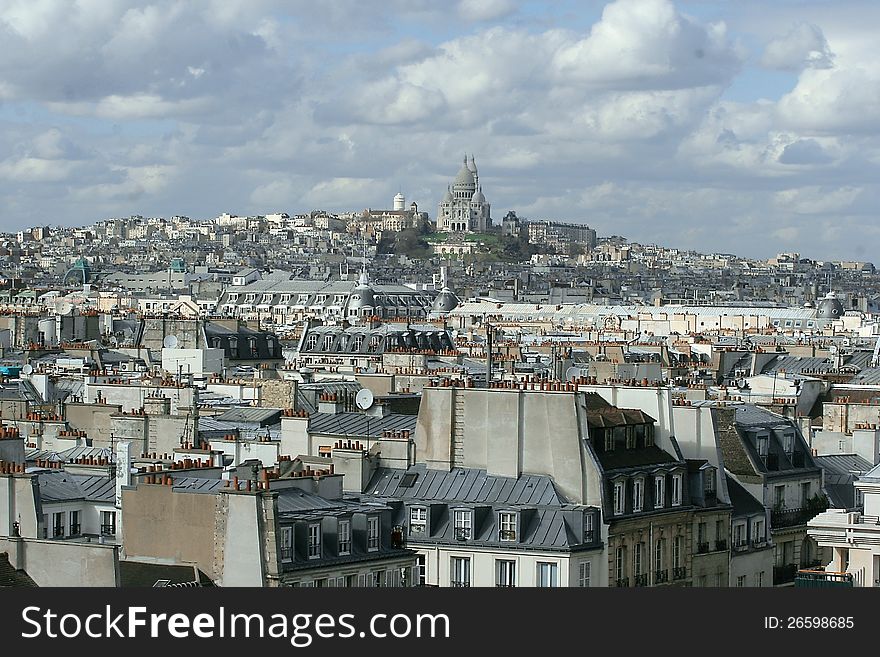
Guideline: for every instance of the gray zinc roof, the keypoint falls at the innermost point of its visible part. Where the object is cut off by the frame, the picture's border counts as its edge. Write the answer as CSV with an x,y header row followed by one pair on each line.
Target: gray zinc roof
x,y
359,424
464,485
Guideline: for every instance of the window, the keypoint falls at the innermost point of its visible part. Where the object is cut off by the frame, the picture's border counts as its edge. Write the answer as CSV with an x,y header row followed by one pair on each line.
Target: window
x,y
659,491
638,493
779,497
462,524
585,574
676,551
805,493
676,490
418,519
314,541
57,525
621,562
741,581
45,530
759,578
286,543
328,343
372,533
630,438
763,442
618,497
758,531
658,555
719,579
379,578
108,523
638,550
547,576
422,565
74,523
460,571
311,341
507,526
505,573
709,482
589,536
649,435
609,440
344,536
788,443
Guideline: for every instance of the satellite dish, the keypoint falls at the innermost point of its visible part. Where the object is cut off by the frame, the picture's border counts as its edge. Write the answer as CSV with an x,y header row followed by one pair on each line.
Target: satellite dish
x,y
364,398
27,369
170,342
64,308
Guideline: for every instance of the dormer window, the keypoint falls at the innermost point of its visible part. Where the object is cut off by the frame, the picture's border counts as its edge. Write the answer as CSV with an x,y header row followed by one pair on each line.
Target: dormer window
x,y
462,524
372,533
649,435
506,526
709,486
659,491
418,520
676,490
328,342
638,494
788,443
311,341
589,534
630,438
609,440
763,444
314,541
619,497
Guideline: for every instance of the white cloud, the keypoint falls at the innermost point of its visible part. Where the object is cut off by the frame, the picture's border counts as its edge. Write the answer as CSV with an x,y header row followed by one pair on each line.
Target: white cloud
x,y
804,46
485,10
35,170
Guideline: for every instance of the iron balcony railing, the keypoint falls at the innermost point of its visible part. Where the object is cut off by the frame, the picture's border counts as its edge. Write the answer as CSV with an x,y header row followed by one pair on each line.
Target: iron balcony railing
x,y
702,548
661,576
286,553
108,530
459,584
721,545
790,517
817,578
507,535
679,572
641,580
622,581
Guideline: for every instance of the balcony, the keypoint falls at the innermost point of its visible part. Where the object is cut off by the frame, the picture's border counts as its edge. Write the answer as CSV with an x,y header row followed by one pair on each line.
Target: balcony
x,y
661,576
784,574
108,530
759,542
740,545
679,572
459,584
818,578
703,548
75,530
790,517
720,546
641,580
624,581
286,553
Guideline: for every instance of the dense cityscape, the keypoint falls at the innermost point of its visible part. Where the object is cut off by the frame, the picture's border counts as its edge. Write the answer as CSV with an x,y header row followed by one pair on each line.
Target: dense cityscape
x,y
396,397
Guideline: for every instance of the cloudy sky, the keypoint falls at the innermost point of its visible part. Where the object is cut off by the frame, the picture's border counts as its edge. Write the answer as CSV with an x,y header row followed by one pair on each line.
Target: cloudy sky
x,y
748,127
